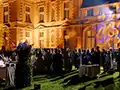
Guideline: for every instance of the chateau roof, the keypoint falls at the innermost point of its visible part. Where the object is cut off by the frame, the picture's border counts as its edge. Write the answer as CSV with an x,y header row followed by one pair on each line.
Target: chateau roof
x,y
89,3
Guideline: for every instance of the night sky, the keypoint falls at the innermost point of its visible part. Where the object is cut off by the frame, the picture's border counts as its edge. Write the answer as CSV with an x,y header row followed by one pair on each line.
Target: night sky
x,y
88,3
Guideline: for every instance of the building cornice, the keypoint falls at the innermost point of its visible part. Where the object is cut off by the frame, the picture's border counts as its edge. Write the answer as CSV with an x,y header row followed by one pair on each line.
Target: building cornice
x,y
20,24
103,5
65,23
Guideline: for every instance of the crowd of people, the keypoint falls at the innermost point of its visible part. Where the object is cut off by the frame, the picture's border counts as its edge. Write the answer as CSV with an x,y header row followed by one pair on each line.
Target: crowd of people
x,y
58,60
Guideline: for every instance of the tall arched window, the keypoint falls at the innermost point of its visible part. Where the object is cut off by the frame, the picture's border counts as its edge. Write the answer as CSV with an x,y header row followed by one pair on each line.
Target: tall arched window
x,y
52,14
28,15
6,13
90,39
41,39
41,15
66,10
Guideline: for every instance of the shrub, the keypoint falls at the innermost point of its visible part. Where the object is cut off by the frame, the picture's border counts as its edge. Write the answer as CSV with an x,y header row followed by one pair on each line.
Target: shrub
x,y
24,67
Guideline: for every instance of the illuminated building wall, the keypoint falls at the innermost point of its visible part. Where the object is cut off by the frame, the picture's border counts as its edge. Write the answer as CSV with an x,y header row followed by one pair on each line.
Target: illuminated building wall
x,y
16,16
51,17
101,26
43,23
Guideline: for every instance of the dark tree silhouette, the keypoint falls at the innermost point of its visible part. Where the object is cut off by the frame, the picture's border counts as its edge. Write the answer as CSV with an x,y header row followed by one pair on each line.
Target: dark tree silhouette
x,y
24,67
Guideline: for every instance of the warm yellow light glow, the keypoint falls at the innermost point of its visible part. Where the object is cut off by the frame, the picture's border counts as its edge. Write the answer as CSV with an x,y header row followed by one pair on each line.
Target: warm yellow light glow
x,y
72,34
103,16
67,37
114,4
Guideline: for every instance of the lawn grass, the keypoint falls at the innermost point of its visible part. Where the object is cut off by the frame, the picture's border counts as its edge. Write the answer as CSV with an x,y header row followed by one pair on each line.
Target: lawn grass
x,y
70,81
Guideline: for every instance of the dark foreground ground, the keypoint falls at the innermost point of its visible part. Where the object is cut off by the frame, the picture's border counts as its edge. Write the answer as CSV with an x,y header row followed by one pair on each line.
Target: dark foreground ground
x,y
71,81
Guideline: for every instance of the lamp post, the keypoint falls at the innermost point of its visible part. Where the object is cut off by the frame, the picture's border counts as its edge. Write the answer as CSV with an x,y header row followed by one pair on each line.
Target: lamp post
x,y
96,35
66,27
66,62
65,41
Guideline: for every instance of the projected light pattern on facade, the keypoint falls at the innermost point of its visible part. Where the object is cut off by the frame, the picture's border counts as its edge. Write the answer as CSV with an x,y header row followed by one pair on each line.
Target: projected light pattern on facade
x,y
105,29
107,34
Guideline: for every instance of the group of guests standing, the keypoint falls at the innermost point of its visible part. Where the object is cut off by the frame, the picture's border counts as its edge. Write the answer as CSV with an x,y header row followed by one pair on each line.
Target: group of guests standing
x,y
8,61
48,61
58,60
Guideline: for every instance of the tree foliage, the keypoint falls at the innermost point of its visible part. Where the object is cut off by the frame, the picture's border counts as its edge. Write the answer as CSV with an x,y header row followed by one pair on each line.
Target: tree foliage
x,y
24,67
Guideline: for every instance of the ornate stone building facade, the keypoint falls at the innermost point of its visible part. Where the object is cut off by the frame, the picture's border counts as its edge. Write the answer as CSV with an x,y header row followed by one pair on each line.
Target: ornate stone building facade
x,y
16,16
52,20
59,23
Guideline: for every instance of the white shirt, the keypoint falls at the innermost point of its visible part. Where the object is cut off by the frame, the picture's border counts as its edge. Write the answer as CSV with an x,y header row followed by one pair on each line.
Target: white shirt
x,y
2,64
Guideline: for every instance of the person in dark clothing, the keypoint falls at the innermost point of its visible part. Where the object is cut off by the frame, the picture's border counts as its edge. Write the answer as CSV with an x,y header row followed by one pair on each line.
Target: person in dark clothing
x,y
57,61
88,57
3,49
92,55
47,60
75,56
39,64
71,58
107,62
118,61
97,57
67,63
103,56
78,55
83,57
111,59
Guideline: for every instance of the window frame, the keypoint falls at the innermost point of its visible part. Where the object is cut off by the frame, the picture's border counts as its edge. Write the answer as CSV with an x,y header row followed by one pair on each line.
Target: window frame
x,y
41,13
41,34
66,10
27,34
27,14
90,12
52,14
6,14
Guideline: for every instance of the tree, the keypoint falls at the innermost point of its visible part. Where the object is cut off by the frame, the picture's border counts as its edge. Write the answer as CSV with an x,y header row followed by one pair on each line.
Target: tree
x,y
24,67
